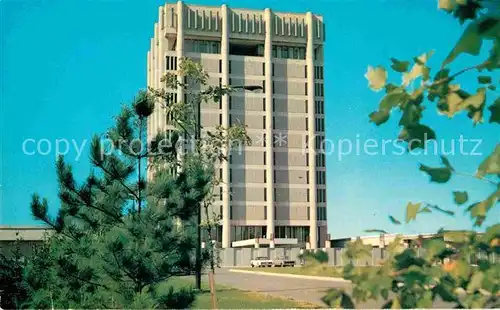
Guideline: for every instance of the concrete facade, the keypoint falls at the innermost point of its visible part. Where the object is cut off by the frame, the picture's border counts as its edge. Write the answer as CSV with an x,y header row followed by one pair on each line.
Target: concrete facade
x,y
276,187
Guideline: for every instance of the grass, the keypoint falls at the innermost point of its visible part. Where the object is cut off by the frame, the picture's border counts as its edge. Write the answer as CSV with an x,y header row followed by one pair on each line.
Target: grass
x,y
320,270
315,269
231,298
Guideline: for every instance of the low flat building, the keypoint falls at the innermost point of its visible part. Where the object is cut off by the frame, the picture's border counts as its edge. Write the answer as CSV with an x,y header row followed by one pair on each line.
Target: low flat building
x,y
28,237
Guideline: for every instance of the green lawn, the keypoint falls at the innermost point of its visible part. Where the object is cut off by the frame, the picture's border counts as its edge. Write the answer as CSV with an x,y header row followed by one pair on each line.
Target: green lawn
x,y
313,270
230,298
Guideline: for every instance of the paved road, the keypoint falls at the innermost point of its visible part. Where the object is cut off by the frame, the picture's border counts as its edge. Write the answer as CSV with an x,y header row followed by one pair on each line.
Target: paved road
x,y
308,290
299,289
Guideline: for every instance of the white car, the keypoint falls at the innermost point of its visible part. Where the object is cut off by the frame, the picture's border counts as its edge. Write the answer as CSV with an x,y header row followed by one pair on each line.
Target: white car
x,y
261,262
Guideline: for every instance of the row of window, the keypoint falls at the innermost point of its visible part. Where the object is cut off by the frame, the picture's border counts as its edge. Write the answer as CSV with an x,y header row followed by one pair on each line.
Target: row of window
x,y
251,232
202,46
171,63
289,52
320,160
238,233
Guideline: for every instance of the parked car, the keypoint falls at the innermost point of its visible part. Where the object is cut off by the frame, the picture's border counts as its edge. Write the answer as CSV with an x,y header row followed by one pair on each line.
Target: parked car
x,y
283,261
261,261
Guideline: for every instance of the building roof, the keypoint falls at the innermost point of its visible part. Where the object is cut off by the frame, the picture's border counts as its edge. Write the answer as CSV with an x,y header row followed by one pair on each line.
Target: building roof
x,y
26,233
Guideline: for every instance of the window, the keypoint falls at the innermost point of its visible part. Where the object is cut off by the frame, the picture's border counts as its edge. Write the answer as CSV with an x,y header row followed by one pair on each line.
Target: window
x,y
230,159
263,68
308,195
308,213
220,197
265,159
321,195
220,119
265,194
319,141
274,190
274,88
230,212
319,107
263,104
264,122
274,122
289,52
320,177
264,86
274,105
274,158
220,212
321,214
307,177
320,124
307,123
273,69
305,71
320,160
230,103
230,175
265,176
306,90
265,212
307,159
220,65
230,65
306,106
274,176
220,174
264,138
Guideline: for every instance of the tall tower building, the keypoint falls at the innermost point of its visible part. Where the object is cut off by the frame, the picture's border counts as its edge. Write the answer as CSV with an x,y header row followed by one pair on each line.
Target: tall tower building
x,y
274,189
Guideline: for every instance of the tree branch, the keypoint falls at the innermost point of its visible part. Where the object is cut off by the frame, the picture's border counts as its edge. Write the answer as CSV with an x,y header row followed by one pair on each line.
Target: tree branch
x,y
464,174
453,76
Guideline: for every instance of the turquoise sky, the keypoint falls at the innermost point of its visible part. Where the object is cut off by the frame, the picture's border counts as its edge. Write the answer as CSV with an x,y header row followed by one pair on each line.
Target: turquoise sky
x,y
66,66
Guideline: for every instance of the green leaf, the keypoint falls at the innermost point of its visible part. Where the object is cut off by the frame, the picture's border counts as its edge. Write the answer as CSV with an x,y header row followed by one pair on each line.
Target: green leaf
x,y
412,114
394,221
438,175
425,210
379,117
491,165
495,111
470,42
447,212
379,231
416,135
425,302
392,99
411,211
480,209
460,197
483,79
399,66
434,247
376,77
475,282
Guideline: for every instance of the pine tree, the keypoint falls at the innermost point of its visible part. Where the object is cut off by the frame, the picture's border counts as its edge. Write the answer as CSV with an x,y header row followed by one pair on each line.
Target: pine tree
x,y
116,238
